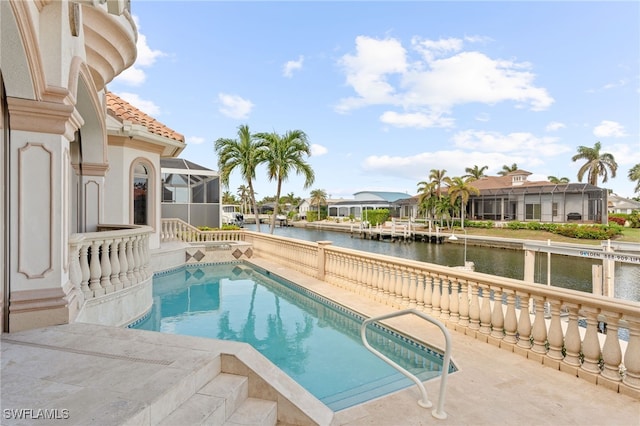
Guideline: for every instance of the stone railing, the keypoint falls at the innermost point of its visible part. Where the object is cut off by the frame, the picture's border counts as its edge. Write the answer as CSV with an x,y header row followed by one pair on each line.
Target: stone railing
x,y
115,257
553,326
178,230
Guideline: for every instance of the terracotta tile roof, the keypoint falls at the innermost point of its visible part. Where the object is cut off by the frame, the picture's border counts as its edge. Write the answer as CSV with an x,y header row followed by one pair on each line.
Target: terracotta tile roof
x,y
123,110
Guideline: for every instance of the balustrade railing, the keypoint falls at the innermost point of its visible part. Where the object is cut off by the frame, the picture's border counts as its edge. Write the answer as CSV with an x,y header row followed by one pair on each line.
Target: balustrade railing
x,y
115,257
504,312
178,230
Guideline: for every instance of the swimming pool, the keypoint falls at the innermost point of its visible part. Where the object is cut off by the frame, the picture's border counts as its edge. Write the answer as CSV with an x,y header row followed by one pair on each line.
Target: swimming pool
x,y
313,340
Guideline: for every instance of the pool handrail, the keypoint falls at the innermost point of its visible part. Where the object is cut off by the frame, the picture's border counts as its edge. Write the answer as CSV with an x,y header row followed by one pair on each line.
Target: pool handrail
x,y
438,412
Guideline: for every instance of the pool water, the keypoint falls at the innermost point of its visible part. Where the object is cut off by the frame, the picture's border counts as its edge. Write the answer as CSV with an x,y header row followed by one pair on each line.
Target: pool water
x,y
315,341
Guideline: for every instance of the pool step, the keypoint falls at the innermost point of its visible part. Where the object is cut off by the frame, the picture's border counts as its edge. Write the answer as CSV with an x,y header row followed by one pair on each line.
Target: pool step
x,y
224,401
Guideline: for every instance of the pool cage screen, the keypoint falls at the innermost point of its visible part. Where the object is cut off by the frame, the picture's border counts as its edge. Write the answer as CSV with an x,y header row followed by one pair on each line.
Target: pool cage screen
x,y
190,192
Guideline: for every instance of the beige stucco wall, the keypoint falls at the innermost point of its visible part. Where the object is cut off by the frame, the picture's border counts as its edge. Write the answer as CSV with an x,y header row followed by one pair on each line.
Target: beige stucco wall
x,y
53,88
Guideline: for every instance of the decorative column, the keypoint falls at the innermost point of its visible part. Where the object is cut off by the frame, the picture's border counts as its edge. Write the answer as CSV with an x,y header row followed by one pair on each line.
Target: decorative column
x,y
454,301
485,313
124,264
94,270
572,343
397,291
510,322
86,272
539,332
497,319
590,370
474,310
631,380
420,291
428,293
445,313
611,353
412,289
105,266
555,338
524,326
435,297
463,305
405,289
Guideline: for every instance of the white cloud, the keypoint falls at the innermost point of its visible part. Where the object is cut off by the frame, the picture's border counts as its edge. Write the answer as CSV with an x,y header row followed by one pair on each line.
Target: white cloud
x,y
610,129
625,155
416,167
416,119
483,117
148,107
146,57
317,150
554,125
382,72
367,71
519,143
292,66
195,140
234,106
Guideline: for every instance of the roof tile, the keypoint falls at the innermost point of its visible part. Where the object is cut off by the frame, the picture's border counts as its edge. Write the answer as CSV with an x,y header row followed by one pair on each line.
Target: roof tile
x,y
123,110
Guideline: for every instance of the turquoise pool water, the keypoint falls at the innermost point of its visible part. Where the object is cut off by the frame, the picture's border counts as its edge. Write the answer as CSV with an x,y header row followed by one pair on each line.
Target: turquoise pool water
x,y
313,340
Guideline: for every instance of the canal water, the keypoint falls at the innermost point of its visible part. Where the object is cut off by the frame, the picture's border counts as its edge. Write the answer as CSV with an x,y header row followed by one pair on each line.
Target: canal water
x,y
566,271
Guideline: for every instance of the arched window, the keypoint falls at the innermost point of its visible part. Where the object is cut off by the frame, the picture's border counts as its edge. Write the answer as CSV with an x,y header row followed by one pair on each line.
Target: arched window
x,y
141,204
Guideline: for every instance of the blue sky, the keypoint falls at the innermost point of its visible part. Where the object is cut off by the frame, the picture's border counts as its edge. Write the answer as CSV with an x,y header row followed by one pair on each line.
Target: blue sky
x,y
387,91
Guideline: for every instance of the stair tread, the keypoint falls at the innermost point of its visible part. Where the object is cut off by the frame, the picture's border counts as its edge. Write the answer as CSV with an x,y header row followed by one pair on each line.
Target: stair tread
x,y
198,409
255,411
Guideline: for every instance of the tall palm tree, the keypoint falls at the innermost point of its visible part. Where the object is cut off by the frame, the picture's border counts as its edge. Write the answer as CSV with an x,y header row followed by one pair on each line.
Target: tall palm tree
x,y
437,177
285,154
318,197
243,193
426,197
461,188
475,172
634,176
508,169
597,164
245,154
554,179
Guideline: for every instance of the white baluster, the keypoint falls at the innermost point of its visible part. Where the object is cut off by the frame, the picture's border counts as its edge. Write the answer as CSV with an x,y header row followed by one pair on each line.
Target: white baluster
x,y
485,310
632,354
611,352
94,270
497,315
445,300
86,273
130,262
510,319
591,344
464,303
555,337
105,266
115,265
124,263
524,322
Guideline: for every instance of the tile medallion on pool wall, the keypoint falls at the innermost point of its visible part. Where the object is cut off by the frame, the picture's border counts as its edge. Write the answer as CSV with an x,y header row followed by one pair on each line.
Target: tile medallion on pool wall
x,y
217,251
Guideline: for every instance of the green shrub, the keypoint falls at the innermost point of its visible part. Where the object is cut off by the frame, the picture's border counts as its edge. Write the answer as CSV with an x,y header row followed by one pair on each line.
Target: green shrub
x,y
376,216
517,225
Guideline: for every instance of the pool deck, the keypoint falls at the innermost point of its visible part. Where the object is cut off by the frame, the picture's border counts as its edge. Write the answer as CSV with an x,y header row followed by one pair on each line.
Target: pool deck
x,y
108,375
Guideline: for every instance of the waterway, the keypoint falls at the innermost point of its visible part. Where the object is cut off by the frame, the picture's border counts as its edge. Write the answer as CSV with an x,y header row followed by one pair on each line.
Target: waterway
x,y
566,271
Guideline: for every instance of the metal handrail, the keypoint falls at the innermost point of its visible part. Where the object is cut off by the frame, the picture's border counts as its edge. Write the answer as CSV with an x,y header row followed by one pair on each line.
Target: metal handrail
x,y
439,412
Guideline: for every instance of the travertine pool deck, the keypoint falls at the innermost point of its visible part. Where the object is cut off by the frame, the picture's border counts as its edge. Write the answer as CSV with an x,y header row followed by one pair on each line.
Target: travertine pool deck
x,y
104,375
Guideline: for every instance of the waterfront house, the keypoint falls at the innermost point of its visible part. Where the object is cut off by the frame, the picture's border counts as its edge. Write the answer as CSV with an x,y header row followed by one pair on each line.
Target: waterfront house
x,y
81,167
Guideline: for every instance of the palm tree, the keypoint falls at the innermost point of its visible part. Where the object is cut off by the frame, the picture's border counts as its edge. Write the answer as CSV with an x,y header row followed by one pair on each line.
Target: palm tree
x,y
244,154
597,164
475,172
426,197
318,197
437,177
508,169
554,179
228,198
460,188
285,154
243,193
634,176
